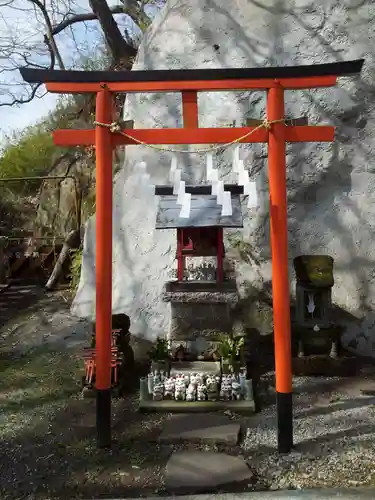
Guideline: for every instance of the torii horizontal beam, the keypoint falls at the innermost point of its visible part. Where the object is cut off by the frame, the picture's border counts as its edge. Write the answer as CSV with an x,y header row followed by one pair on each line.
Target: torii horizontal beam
x,y
222,135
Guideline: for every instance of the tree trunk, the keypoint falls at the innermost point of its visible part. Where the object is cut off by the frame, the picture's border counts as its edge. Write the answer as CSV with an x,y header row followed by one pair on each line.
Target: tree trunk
x,y
118,46
72,241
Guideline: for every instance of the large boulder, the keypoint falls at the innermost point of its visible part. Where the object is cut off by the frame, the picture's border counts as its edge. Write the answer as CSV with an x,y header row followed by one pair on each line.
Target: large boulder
x,y
330,186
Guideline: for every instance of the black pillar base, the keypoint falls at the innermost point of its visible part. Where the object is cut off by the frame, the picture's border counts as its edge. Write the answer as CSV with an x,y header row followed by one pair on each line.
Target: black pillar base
x,y
284,405
103,418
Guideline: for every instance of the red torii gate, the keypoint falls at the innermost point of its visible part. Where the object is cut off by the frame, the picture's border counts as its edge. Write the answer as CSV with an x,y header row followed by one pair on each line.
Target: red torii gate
x,y
105,138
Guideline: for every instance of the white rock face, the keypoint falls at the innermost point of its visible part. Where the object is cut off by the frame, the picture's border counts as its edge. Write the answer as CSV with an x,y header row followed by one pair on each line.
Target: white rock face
x,y
331,187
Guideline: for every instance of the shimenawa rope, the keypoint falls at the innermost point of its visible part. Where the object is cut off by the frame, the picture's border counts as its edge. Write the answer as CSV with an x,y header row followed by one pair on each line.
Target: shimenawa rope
x,y
115,128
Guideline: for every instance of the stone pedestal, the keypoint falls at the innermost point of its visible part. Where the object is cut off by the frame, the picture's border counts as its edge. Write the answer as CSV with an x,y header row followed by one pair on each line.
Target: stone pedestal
x,y
200,312
211,367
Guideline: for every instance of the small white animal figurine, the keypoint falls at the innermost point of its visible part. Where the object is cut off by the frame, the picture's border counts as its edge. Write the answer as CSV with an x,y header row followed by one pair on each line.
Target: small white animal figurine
x,y
210,381
191,393
169,388
158,392
236,390
201,392
200,378
194,379
187,379
226,388
180,390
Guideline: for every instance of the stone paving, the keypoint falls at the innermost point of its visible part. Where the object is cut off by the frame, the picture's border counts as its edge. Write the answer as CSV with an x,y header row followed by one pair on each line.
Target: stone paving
x,y
203,471
210,428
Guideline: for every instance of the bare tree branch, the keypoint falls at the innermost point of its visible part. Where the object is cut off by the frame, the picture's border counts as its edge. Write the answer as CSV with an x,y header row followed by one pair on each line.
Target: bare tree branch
x,y
34,88
79,18
118,46
136,12
33,26
49,36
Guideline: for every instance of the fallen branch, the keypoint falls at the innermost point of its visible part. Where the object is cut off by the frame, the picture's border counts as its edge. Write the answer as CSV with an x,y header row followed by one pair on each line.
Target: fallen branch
x,y
73,241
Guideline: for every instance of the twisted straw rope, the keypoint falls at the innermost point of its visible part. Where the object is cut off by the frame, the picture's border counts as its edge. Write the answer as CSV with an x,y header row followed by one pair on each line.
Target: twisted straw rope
x,y
115,128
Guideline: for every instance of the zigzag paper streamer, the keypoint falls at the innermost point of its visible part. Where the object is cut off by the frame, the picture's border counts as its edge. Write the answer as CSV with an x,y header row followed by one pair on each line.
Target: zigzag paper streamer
x,y
173,168
236,159
243,178
176,182
186,205
181,193
220,191
226,210
209,165
251,191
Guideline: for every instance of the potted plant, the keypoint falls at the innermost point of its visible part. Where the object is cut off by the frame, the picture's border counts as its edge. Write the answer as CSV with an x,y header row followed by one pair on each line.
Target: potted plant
x,y
230,353
159,355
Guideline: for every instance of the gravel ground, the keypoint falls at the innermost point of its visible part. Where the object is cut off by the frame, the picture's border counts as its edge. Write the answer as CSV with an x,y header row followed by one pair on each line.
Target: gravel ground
x,y
334,436
47,431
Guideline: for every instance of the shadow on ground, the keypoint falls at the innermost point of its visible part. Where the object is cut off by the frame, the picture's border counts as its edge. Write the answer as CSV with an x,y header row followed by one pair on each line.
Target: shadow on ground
x,y
17,298
48,446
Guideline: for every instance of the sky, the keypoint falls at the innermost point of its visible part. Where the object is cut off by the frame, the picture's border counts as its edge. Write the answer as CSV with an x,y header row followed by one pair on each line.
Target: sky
x,y
18,117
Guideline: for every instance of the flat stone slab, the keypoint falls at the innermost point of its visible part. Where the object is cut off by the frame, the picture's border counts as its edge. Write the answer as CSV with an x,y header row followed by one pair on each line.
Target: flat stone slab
x,y
172,406
202,428
202,471
195,367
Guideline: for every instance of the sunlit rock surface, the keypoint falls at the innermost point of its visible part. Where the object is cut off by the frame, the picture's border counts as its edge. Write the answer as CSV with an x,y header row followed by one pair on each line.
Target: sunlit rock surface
x,y
331,187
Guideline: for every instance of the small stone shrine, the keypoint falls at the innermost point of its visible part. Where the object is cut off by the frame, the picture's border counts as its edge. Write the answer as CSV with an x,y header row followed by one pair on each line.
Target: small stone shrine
x,y
316,332
200,365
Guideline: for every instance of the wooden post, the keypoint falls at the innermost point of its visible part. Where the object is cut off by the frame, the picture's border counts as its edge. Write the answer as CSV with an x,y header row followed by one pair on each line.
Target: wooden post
x,y
220,248
180,260
103,143
280,278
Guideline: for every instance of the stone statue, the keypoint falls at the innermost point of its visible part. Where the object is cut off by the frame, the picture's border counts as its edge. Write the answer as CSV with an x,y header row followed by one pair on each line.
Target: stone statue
x,y
158,392
201,392
180,390
169,388
191,392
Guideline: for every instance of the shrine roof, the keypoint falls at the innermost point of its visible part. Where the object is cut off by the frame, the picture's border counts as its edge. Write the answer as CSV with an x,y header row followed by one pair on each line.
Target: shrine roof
x,y
204,212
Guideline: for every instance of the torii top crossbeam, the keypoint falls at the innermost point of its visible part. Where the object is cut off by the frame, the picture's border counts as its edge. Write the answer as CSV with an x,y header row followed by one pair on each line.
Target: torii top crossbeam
x,y
275,133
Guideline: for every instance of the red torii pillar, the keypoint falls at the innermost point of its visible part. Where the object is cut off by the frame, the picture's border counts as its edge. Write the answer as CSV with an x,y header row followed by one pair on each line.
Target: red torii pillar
x,y
189,82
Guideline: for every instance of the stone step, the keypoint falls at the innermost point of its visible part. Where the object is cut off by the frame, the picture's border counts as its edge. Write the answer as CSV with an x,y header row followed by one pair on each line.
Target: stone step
x,y
202,472
205,428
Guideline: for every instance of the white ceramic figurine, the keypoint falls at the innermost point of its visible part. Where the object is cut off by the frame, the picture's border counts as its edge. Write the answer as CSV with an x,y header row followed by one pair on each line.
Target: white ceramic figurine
x,y
169,386
201,392
180,390
191,393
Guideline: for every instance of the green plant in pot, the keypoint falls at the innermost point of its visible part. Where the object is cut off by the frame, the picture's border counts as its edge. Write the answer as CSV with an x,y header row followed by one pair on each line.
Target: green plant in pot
x,y
159,355
230,349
